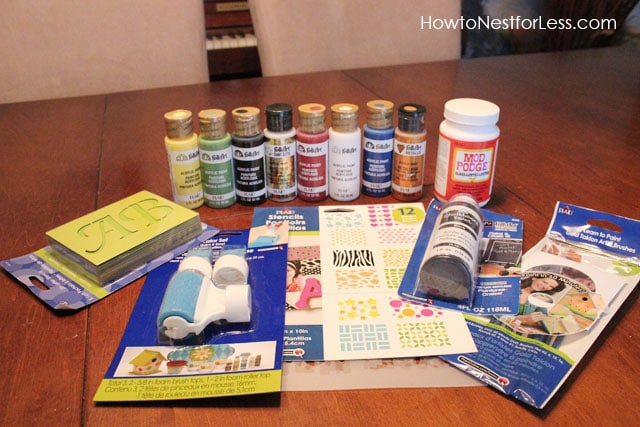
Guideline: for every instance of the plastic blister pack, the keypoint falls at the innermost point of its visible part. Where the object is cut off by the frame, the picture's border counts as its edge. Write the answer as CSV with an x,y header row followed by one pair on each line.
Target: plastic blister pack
x,y
573,282
201,293
205,324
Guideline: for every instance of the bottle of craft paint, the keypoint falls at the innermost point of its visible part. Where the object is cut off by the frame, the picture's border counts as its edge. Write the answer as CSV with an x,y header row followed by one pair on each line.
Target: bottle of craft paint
x,y
247,140
467,149
280,153
409,150
184,162
344,153
449,268
378,149
216,161
312,160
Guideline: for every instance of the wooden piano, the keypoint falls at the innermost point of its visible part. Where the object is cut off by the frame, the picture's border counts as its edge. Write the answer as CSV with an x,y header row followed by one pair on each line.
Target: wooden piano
x,y
232,49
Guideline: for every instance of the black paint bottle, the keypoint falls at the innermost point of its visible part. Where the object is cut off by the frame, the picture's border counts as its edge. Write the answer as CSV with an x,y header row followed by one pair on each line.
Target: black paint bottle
x,y
247,140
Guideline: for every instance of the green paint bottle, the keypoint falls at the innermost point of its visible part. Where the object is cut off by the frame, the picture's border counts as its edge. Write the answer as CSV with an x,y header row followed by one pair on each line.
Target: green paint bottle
x,y
216,164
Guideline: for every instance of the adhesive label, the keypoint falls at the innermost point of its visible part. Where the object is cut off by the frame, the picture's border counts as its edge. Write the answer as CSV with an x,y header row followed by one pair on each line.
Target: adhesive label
x,y
185,177
344,168
217,176
376,172
281,169
408,166
465,167
312,164
249,173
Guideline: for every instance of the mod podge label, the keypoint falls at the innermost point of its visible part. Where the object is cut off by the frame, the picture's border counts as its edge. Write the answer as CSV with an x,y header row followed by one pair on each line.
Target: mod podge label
x,y
469,168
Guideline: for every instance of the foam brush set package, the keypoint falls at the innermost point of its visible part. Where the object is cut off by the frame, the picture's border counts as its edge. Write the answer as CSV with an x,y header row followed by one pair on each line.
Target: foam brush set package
x,y
209,323
573,282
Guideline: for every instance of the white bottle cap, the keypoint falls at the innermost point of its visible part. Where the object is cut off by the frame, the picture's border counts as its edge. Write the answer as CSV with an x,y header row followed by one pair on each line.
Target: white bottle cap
x,y
471,111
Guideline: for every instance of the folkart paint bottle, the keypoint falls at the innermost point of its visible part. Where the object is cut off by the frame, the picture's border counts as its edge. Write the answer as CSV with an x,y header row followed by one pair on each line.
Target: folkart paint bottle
x,y
449,267
344,153
467,149
216,160
280,153
378,149
184,162
248,156
409,149
312,160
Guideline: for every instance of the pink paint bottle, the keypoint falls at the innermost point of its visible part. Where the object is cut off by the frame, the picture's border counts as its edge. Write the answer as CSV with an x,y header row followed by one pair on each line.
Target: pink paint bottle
x,y
312,160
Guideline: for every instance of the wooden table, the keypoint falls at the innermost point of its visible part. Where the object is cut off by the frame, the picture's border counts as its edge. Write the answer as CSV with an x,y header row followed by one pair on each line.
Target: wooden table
x,y
570,132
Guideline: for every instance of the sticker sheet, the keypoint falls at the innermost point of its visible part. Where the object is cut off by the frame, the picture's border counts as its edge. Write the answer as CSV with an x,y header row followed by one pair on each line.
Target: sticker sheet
x,y
345,264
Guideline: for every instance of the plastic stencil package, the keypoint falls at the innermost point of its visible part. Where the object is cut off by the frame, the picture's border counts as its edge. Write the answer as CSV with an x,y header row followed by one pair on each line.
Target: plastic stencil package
x,y
573,282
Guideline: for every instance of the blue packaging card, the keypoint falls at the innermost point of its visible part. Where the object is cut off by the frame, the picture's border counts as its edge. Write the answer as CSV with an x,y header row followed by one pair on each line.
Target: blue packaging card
x,y
498,282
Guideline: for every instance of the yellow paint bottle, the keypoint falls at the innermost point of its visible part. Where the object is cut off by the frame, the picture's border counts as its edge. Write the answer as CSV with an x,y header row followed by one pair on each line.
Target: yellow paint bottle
x,y
184,161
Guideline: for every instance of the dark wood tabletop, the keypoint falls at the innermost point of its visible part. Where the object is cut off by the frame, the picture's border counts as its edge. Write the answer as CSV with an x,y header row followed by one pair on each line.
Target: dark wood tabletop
x,y
570,131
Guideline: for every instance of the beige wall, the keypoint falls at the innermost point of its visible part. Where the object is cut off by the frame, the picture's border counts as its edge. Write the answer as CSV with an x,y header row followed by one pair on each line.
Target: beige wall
x,y
297,36
63,48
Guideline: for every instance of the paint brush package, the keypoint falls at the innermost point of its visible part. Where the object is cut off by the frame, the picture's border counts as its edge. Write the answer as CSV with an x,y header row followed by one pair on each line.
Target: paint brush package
x,y
573,282
208,323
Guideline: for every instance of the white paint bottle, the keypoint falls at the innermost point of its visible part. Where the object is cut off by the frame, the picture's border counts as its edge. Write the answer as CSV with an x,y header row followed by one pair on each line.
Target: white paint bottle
x,y
467,149
345,150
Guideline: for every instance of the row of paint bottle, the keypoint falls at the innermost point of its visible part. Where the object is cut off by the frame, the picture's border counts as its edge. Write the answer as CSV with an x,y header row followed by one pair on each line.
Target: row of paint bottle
x,y
313,162
343,161
467,149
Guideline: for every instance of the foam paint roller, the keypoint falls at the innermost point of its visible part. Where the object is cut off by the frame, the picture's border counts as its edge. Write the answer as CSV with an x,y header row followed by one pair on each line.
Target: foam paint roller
x,y
230,269
192,301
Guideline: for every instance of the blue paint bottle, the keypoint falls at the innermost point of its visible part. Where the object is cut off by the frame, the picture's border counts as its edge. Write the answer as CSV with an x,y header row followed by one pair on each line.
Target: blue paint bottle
x,y
378,149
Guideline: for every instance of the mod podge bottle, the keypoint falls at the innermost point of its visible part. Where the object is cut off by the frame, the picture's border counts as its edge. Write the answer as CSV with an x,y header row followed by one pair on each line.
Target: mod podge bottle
x,y
467,149
409,150
377,149
248,156
312,157
344,153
